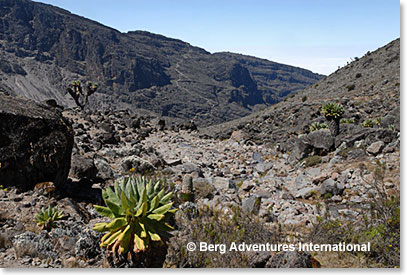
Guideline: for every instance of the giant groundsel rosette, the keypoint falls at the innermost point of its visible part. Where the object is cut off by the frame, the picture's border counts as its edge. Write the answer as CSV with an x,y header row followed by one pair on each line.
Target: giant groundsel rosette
x,y
140,210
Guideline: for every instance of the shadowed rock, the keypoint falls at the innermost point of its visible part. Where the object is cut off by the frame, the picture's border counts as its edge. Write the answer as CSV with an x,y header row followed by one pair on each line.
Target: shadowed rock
x,y
35,144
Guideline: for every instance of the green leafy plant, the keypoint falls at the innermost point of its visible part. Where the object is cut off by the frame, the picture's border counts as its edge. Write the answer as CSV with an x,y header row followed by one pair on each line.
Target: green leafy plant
x,y
333,113
317,126
333,110
140,210
378,121
347,121
368,123
47,217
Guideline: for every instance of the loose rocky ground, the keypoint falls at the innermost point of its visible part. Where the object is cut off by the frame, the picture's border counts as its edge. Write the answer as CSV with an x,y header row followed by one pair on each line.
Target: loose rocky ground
x,y
260,179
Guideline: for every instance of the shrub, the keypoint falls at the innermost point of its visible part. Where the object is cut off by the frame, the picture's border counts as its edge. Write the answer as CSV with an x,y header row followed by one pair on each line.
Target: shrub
x,y
378,121
368,123
47,217
347,121
312,160
333,110
304,98
358,75
317,126
140,211
215,227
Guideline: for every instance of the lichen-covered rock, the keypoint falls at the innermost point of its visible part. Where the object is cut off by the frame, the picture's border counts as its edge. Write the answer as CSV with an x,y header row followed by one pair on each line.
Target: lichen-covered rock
x,y
34,245
35,144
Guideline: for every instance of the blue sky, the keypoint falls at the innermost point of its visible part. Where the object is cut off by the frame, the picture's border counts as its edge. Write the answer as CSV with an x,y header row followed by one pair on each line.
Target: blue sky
x,y
319,35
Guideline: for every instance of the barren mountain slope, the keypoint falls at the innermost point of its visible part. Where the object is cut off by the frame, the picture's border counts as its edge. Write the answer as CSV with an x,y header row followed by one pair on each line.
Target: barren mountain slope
x,y
43,48
369,88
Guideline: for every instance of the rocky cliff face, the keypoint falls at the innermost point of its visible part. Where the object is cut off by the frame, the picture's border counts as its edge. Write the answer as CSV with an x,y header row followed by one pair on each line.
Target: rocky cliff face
x,y
368,88
43,48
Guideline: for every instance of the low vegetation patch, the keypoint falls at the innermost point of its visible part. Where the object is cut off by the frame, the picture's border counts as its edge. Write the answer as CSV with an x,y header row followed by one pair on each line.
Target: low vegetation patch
x,y
47,217
379,225
215,227
317,126
312,161
368,123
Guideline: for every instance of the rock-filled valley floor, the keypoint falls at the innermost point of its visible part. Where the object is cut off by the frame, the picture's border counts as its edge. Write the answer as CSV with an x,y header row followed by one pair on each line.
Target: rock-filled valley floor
x,y
262,178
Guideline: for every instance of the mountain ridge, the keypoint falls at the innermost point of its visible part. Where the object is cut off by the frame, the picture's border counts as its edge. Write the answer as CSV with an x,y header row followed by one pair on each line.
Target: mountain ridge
x,y
368,87
44,48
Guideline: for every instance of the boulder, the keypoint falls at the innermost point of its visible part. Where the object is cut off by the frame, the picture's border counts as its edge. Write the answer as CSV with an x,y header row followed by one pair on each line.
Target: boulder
x,y
257,259
82,167
252,205
302,180
224,183
292,259
306,192
321,139
35,144
392,119
186,186
356,154
375,148
203,188
109,138
133,123
318,143
263,167
301,150
332,187
104,171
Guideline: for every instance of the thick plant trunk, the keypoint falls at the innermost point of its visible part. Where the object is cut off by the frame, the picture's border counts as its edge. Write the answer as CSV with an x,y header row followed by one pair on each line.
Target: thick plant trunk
x,y
333,125
153,257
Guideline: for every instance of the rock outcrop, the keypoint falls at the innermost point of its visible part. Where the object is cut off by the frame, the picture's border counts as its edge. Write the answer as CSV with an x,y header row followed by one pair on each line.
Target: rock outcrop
x,y
35,144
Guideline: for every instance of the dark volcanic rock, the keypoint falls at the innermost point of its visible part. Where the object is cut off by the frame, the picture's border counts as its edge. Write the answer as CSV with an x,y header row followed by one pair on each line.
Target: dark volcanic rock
x,y
35,144
321,140
318,142
82,167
